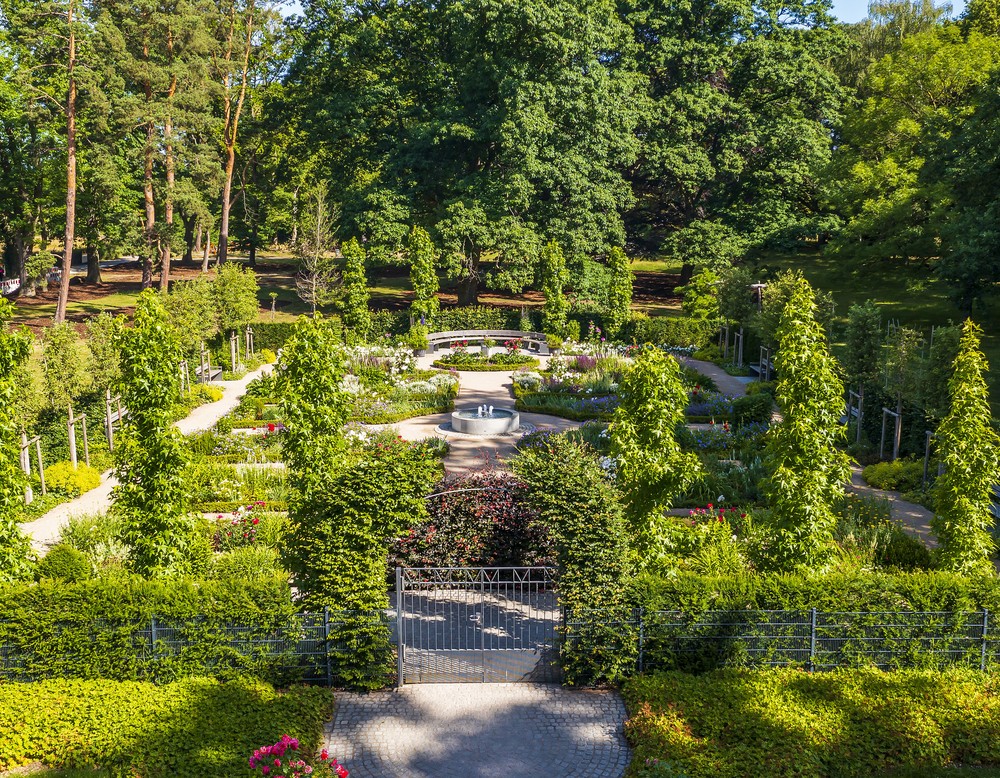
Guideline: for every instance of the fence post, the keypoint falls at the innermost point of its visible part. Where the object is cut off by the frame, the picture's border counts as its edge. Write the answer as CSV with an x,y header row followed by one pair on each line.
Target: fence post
x,y
326,645
986,626
152,641
812,640
399,628
642,637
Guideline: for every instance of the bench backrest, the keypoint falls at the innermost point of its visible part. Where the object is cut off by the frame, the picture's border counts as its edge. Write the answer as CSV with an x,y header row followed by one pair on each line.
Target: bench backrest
x,y
534,337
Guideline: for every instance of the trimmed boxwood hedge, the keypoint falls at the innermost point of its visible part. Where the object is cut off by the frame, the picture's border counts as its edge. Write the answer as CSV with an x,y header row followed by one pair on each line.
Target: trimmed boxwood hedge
x,y
792,724
102,629
917,591
195,728
484,367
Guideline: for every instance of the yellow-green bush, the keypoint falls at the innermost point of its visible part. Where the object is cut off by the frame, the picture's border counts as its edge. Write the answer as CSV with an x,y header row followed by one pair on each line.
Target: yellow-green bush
x,y
65,563
844,724
62,478
902,475
195,728
267,356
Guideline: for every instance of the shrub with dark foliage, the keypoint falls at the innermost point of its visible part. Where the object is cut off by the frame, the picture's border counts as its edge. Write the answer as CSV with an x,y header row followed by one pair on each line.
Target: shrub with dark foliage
x,y
477,519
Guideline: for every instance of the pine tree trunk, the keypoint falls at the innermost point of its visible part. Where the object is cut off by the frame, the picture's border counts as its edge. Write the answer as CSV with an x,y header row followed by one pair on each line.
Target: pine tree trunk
x,y
147,191
67,260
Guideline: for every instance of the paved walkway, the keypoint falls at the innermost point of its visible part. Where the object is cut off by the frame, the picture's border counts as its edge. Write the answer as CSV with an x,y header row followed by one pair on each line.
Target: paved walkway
x,y
480,731
45,530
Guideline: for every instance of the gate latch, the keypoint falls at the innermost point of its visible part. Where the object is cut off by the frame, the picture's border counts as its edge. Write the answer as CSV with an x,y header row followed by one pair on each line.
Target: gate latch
x,y
474,617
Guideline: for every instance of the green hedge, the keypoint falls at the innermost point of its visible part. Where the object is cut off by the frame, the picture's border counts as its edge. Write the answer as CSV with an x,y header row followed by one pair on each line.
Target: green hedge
x,y
669,331
918,591
485,367
788,723
476,317
195,728
724,621
102,629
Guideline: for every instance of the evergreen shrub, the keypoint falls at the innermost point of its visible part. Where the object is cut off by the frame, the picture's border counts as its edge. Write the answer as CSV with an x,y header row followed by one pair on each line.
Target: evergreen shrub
x,y
63,478
65,563
785,723
188,729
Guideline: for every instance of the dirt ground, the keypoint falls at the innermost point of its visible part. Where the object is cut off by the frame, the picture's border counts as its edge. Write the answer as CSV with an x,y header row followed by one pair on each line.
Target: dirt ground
x,y
126,281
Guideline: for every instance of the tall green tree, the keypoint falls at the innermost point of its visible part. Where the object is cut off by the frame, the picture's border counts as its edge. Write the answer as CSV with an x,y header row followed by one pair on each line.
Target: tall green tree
x,y
618,310
236,291
489,124
423,275
354,302
554,279
15,551
886,178
969,448
149,455
734,124
971,257
806,469
652,470
65,365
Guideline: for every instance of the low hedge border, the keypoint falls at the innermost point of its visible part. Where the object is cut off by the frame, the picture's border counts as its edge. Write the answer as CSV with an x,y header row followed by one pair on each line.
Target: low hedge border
x,y
525,406
472,367
392,418
190,729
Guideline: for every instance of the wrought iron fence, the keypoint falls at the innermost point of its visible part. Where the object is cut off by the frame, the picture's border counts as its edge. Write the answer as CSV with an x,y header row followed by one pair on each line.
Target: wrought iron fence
x,y
812,639
307,647
316,647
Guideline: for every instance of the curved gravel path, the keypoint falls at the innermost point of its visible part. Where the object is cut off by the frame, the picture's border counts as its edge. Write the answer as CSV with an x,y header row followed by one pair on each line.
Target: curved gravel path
x,y
45,530
491,730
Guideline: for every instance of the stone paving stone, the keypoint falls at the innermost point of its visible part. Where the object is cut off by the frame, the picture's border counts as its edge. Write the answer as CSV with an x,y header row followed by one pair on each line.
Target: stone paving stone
x,y
480,731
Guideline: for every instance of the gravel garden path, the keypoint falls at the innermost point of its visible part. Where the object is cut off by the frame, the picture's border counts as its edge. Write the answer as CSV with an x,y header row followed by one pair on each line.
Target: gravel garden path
x,y
45,530
489,730
912,517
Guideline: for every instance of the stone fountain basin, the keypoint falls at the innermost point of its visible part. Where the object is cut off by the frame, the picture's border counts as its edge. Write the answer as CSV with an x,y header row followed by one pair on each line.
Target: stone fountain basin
x,y
502,421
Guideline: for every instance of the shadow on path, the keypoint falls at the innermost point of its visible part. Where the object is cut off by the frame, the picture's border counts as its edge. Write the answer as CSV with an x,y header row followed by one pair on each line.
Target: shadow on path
x,y
480,731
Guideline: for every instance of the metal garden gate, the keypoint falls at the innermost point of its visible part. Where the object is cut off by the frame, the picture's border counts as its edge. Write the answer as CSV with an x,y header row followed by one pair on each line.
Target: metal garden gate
x,y
476,624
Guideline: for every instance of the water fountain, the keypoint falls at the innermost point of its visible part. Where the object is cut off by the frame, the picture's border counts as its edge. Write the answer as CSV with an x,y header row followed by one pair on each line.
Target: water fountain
x,y
486,421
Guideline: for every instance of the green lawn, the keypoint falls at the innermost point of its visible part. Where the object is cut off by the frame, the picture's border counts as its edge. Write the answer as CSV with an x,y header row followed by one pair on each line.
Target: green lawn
x,y
909,294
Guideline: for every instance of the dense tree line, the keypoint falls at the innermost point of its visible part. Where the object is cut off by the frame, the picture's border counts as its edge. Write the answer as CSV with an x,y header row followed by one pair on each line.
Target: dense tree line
x,y
708,130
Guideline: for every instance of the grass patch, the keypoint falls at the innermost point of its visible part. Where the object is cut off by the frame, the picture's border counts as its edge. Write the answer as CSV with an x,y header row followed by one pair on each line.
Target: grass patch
x,y
909,293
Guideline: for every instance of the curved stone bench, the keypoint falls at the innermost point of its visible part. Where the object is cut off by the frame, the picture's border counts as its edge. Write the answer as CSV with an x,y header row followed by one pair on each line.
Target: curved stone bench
x,y
531,339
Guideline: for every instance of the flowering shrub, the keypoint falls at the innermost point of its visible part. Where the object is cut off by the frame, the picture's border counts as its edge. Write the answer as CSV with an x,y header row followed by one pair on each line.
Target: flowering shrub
x,y
272,761
513,346
491,526
240,530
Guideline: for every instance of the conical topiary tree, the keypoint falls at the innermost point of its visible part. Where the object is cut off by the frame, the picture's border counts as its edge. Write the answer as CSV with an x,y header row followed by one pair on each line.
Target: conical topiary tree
x,y
968,448
807,471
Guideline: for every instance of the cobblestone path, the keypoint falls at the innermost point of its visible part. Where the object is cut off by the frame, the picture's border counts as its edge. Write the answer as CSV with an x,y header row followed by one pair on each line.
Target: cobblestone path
x,y
489,730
